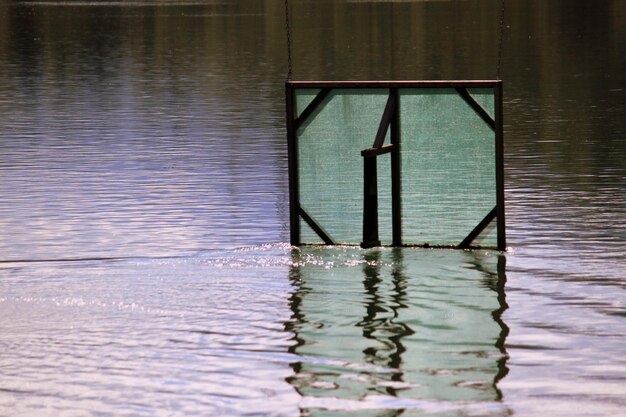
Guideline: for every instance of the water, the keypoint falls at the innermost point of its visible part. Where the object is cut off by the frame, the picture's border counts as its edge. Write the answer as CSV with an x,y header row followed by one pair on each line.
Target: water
x,y
144,214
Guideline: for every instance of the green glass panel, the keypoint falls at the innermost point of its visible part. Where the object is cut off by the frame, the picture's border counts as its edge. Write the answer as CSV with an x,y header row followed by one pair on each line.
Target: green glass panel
x,y
330,164
448,167
447,159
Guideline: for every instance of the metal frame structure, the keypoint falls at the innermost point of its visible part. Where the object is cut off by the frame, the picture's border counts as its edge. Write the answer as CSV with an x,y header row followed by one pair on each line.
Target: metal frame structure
x,y
390,120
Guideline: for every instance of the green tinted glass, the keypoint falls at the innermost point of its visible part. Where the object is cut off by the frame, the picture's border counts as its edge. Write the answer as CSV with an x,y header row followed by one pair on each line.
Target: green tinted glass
x,y
447,155
448,167
330,162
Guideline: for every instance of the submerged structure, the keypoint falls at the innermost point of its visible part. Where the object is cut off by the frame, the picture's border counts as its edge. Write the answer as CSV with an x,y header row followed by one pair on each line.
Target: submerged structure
x,y
396,163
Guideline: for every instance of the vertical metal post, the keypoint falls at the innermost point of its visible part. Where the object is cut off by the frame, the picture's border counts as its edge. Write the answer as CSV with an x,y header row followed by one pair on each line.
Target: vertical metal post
x,y
500,216
370,203
292,153
396,179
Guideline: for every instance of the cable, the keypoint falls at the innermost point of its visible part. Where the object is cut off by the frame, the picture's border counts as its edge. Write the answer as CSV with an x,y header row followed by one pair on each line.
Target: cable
x,y
501,35
288,32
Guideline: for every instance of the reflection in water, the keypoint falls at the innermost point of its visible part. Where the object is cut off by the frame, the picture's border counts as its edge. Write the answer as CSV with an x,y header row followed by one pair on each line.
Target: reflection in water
x,y
497,283
380,321
371,335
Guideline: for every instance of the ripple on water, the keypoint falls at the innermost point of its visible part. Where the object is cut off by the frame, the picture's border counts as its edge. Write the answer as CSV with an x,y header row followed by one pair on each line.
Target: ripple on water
x,y
224,332
133,337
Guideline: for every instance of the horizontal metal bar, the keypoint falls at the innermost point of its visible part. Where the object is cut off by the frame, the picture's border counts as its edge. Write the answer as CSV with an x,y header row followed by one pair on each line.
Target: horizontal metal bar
x,y
396,84
404,245
369,152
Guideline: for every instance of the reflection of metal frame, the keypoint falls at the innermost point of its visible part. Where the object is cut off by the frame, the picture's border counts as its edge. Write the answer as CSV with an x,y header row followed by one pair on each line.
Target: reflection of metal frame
x,y
388,320
389,120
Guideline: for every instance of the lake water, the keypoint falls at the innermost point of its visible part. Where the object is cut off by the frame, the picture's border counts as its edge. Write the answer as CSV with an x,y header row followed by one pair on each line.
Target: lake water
x,y
144,269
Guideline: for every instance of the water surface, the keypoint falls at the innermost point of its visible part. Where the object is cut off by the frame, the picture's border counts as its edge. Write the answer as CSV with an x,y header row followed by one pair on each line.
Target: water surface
x,y
143,216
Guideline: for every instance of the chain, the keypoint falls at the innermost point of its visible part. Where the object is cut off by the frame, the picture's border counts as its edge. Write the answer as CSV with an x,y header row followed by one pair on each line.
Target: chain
x,y
288,32
500,39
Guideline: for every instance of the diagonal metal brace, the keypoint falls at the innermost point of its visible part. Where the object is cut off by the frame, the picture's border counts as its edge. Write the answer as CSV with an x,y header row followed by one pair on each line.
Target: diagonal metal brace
x,y
469,99
479,229
388,114
312,107
317,228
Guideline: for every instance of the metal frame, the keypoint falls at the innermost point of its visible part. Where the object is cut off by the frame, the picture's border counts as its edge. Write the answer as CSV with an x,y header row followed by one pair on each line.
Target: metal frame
x,y
389,120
